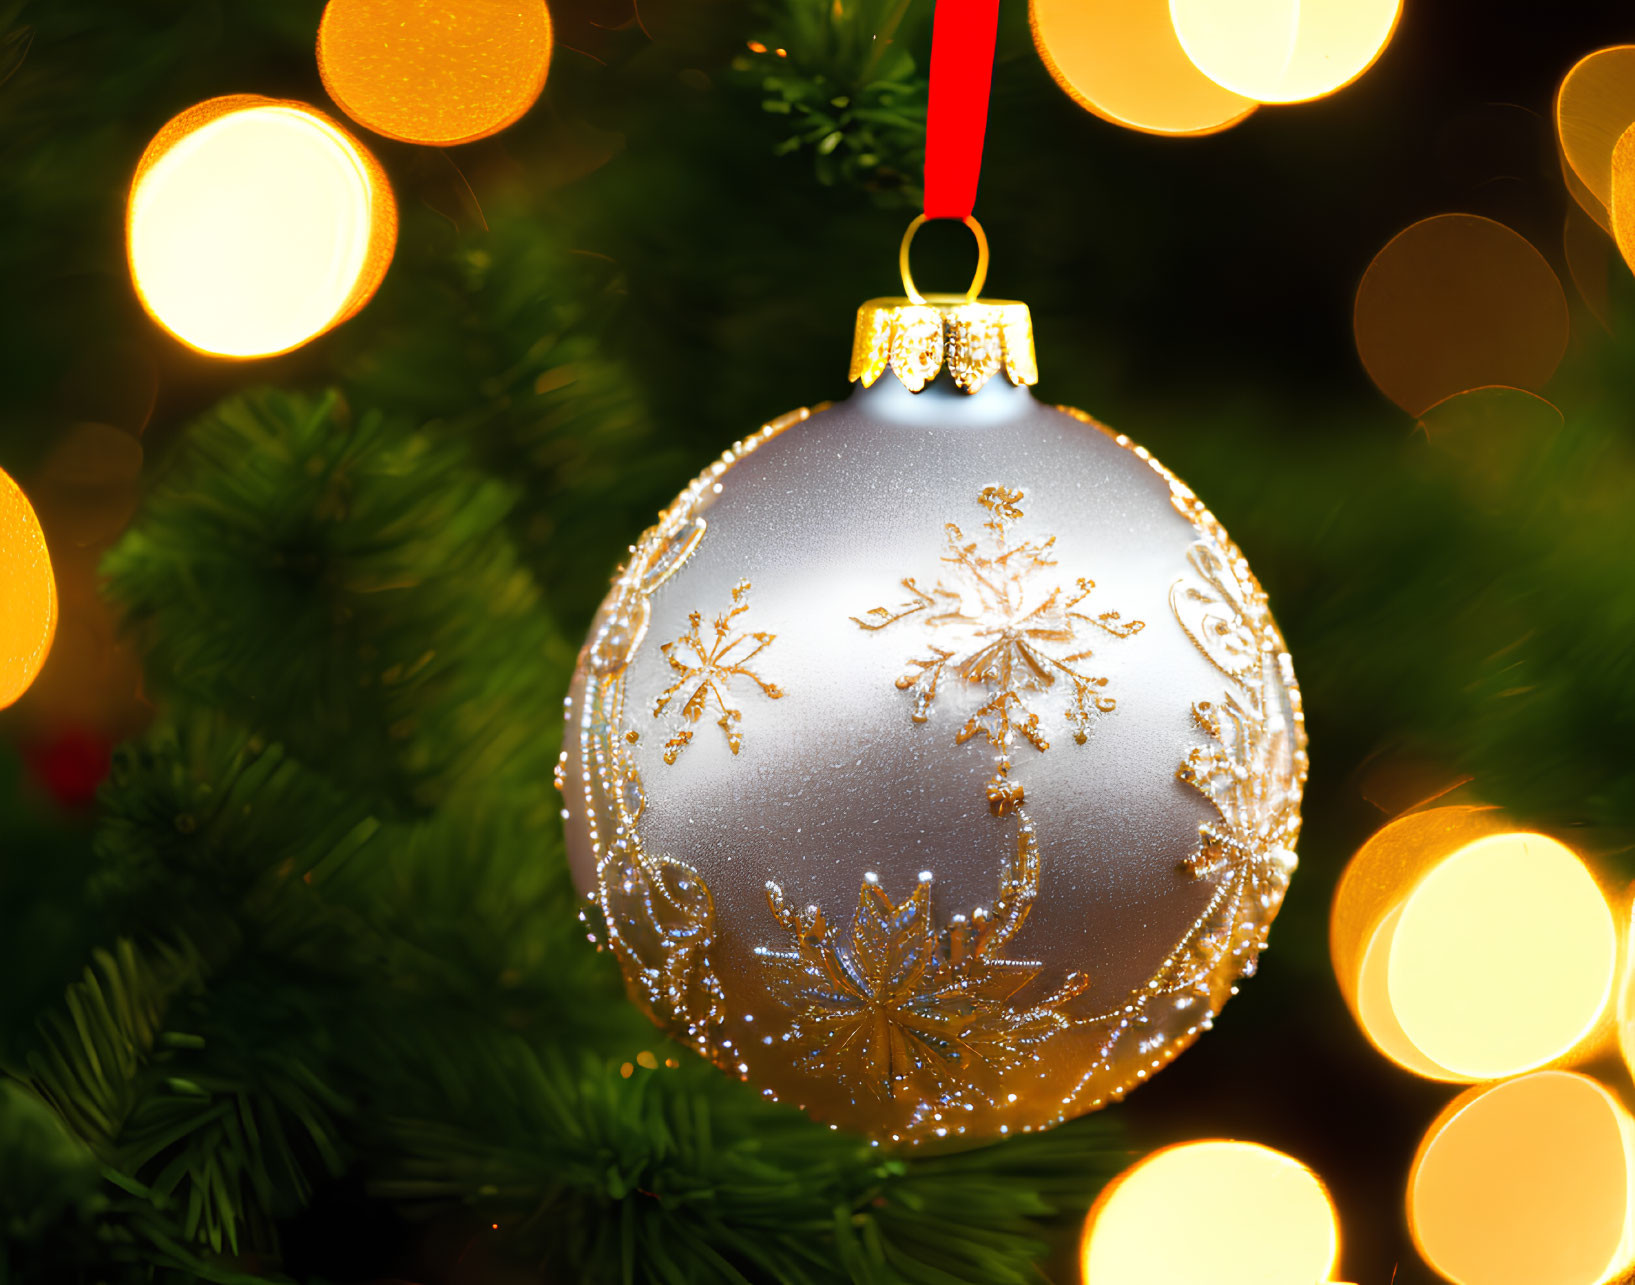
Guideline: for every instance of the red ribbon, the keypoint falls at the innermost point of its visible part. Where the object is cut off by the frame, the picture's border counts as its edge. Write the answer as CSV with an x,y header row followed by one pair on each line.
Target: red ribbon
x,y
962,44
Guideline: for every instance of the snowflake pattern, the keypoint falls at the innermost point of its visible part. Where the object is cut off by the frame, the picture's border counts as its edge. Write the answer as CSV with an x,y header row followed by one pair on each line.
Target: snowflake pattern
x,y
706,668
900,1008
1006,635
1251,771
1240,770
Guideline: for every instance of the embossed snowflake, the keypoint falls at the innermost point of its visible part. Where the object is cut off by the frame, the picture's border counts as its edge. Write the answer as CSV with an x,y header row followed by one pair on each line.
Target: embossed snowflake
x,y
899,1006
1004,628
706,668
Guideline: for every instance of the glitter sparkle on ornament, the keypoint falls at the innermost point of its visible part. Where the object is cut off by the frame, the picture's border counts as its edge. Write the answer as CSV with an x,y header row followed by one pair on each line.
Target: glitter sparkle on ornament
x,y
1006,636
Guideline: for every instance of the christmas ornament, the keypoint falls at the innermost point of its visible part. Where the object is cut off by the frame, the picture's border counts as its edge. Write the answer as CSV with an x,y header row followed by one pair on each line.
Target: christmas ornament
x,y
28,593
255,225
934,762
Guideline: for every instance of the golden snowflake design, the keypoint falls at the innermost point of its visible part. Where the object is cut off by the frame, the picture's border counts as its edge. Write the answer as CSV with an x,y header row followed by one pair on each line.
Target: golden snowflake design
x,y
902,1008
706,668
1006,634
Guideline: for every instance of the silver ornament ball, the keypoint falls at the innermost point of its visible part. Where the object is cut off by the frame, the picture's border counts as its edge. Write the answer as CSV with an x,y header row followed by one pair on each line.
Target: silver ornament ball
x,y
935,763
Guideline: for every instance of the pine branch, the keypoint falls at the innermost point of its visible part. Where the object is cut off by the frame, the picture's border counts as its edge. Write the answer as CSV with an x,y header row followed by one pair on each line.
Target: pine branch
x,y
843,77
201,821
347,590
201,1139
679,1174
207,834
45,1172
92,1053
503,342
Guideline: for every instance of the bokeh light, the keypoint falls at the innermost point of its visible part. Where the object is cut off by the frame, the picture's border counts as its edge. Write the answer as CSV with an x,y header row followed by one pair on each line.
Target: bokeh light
x,y
1595,104
255,225
1503,957
1373,1003
1527,1182
1626,996
1456,302
1589,257
28,593
1121,60
1469,951
90,483
1251,1215
1493,430
1284,51
1368,904
1476,415
437,72
1623,195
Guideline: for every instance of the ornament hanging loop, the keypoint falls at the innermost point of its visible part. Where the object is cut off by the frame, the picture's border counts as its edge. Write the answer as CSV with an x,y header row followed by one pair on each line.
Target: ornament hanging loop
x,y
978,278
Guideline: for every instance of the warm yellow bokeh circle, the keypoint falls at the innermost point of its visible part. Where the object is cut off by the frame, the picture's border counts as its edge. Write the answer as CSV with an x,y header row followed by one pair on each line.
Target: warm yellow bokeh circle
x,y
1468,950
1625,1008
1527,1182
1284,51
1503,957
1120,59
437,72
28,593
255,225
1252,1216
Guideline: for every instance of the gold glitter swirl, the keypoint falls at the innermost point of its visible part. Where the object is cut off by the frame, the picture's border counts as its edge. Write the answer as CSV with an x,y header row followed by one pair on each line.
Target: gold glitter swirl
x,y
658,912
1252,771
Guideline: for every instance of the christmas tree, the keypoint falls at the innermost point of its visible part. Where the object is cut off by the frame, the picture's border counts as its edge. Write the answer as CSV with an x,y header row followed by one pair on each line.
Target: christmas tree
x,y
296,986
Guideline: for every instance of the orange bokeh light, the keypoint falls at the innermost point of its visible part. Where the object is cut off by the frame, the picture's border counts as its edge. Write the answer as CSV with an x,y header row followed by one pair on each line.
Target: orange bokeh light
x,y
1253,1216
437,72
1456,302
1589,257
254,225
1623,195
28,593
1476,415
1284,51
1493,430
1120,59
1527,1182
1594,105
1468,951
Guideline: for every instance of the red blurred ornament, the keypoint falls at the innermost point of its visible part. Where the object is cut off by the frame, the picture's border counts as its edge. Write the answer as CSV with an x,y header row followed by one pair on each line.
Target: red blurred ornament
x,y
71,765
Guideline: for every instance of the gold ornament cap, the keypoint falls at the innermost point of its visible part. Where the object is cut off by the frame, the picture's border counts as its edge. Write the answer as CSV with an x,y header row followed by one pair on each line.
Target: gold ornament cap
x,y
916,335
